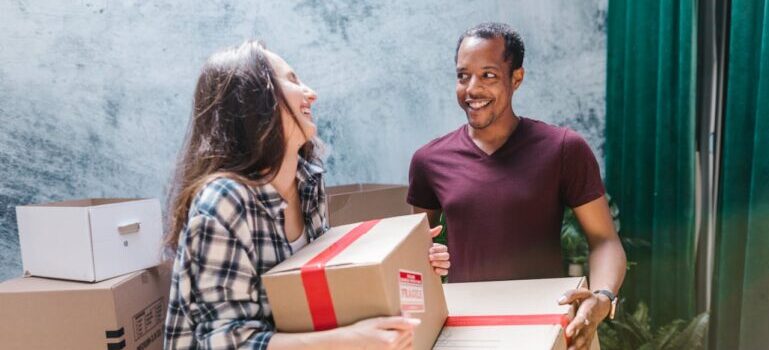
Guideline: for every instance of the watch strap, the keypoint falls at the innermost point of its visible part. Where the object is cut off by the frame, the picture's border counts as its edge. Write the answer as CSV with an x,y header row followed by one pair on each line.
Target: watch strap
x,y
612,299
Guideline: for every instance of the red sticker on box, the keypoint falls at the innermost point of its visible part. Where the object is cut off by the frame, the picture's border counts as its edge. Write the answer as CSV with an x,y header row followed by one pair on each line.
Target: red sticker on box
x,y
412,292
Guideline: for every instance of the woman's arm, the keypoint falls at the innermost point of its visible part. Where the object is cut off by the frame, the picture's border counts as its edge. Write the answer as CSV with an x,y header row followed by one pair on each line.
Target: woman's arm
x,y
215,299
375,333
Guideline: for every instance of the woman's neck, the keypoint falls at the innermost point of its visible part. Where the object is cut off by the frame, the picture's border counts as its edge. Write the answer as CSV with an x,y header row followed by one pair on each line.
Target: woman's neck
x,y
285,180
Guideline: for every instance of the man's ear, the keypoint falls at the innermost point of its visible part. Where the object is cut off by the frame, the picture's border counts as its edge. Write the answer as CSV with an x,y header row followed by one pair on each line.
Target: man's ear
x,y
517,78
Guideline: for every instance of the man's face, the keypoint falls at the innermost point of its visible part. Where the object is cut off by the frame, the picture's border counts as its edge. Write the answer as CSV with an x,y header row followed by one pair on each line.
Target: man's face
x,y
484,85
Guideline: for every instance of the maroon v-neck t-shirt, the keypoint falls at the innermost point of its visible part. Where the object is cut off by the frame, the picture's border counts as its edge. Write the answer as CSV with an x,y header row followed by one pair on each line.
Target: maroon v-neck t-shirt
x,y
504,210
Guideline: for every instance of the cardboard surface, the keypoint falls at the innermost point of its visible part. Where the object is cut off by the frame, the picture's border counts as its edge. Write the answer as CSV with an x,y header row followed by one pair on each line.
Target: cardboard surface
x,y
127,312
353,203
499,298
91,239
382,273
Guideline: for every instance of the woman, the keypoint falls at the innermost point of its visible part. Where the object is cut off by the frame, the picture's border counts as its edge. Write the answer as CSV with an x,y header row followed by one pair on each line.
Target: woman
x,y
248,193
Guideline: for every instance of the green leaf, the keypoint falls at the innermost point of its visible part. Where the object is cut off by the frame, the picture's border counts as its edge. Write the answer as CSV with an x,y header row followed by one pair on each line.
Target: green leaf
x,y
667,332
641,314
693,336
648,346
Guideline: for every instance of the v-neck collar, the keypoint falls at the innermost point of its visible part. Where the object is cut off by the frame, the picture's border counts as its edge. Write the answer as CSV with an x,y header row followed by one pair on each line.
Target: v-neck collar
x,y
511,140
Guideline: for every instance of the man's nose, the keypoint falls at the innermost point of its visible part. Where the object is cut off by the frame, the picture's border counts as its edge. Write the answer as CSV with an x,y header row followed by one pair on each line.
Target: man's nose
x,y
474,85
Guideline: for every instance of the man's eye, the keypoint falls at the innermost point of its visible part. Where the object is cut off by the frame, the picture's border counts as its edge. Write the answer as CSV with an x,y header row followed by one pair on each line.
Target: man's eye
x,y
461,76
489,75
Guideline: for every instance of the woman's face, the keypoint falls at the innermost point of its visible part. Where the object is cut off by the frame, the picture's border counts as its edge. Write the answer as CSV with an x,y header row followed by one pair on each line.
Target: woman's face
x,y
299,98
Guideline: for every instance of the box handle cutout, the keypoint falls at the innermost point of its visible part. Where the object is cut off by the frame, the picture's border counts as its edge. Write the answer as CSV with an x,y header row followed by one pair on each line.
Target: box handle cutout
x,y
130,228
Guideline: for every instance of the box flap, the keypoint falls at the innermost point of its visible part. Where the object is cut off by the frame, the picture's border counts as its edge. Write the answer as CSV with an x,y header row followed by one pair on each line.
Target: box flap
x,y
37,284
359,187
87,202
371,248
500,337
522,297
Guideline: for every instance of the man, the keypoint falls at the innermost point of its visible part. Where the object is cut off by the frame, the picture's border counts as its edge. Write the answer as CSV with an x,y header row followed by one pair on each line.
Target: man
x,y
503,182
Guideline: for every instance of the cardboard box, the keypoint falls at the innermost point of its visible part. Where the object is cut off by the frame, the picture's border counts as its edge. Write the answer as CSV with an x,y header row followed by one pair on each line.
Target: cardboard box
x,y
353,203
90,239
359,271
508,314
125,312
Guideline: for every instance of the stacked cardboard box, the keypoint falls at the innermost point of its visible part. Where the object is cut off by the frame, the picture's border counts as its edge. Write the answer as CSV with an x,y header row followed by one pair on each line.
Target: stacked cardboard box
x,y
93,277
348,204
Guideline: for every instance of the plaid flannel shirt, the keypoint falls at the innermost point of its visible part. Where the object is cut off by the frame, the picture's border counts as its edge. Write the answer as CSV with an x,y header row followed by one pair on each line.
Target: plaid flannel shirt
x,y
234,234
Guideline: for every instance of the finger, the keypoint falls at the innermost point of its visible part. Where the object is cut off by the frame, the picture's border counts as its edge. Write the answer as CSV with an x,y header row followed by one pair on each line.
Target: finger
x,y
436,230
405,340
579,341
398,323
574,295
575,325
582,318
438,248
441,264
440,271
391,337
439,257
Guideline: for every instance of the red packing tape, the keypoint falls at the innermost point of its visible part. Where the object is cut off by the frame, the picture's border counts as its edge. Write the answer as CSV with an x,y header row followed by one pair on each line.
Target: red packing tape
x,y
314,278
509,320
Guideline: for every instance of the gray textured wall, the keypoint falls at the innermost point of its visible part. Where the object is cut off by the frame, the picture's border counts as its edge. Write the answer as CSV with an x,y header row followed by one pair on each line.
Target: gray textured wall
x,y
95,94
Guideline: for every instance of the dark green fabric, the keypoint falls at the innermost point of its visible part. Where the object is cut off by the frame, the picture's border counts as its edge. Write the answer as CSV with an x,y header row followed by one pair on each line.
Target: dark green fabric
x,y
741,281
650,147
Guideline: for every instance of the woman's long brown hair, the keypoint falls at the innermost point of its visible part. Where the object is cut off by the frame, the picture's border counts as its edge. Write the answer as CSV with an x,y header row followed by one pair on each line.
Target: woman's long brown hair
x,y
235,130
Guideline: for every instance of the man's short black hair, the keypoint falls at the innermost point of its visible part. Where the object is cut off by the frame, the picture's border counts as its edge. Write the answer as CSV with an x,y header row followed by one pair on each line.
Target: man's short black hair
x,y
514,49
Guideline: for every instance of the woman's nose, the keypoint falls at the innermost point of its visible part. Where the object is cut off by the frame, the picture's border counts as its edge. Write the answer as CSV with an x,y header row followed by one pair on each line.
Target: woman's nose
x,y
310,93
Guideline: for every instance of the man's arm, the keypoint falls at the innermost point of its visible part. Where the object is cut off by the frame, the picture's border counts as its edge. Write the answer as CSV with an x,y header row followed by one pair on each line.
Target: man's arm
x,y
433,215
607,257
607,270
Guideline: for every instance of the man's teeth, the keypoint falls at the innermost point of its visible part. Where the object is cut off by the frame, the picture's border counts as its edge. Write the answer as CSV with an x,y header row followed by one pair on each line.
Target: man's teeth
x,y
478,104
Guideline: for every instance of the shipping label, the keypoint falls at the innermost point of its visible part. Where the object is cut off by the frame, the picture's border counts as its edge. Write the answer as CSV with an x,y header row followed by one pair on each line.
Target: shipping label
x,y
412,291
147,319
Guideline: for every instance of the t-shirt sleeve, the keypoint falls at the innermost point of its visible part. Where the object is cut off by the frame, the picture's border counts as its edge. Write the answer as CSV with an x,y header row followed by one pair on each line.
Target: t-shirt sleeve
x,y
421,193
580,175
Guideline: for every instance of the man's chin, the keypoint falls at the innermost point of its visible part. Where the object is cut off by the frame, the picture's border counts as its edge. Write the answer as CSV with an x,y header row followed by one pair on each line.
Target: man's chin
x,y
478,124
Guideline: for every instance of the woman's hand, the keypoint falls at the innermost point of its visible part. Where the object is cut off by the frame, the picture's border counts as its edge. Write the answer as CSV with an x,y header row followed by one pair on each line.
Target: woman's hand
x,y
439,254
379,333
386,333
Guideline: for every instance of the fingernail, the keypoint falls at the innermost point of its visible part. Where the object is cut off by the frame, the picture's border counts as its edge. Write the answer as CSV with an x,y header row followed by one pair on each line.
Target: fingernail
x,y
414,321
562,299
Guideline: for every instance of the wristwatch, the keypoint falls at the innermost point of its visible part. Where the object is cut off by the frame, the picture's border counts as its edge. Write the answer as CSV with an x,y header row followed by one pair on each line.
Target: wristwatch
x,y
612,299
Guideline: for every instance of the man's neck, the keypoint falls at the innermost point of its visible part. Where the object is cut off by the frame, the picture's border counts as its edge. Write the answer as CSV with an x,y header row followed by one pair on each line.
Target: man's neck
x,y
492,137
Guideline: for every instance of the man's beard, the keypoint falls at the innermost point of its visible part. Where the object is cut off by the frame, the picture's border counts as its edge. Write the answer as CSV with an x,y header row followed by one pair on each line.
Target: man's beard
x,y
481,126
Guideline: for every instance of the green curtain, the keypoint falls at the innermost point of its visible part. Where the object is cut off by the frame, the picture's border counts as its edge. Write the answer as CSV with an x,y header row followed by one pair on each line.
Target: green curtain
x,y
650,148
741,281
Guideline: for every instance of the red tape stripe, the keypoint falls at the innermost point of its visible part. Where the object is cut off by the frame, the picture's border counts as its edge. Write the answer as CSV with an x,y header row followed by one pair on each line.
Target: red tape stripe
x,y
314,278
509,320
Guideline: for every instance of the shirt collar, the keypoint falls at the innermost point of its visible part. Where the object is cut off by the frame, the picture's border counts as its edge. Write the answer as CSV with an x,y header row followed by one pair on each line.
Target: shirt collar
x,y
308,175
308,172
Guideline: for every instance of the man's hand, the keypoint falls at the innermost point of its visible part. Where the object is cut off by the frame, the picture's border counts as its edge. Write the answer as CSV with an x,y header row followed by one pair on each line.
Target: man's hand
x,y
439,254
591,310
